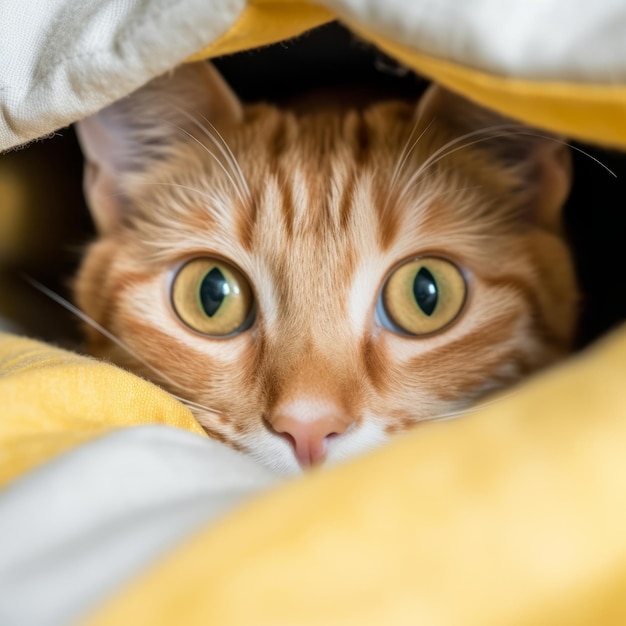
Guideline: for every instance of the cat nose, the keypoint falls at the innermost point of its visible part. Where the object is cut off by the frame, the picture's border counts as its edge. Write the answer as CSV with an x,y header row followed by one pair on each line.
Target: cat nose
x,y
309,427
309,440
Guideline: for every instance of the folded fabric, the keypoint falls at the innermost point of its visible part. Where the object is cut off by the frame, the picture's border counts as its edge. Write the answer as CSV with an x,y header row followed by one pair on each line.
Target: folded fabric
x,y
52,400
514,515
73,531
516,512
556,64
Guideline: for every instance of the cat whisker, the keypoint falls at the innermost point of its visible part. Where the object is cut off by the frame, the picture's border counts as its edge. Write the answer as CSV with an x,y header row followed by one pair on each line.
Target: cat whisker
x,y
531,133
194,405
474,408
404,155
442,417
217,160
88,320
452,146
111,337
229,153
221,145
242,188
572,147
511,130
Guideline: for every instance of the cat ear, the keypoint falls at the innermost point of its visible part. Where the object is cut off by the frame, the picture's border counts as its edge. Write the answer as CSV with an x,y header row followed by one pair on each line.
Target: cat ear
x,y
125,136
542,159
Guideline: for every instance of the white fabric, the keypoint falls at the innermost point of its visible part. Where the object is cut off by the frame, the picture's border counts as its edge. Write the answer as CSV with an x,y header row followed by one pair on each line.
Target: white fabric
x,y
78,527
61,60
561,40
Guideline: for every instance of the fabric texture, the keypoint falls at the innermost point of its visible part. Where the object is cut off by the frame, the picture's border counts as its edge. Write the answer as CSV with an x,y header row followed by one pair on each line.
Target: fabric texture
x,y
62,60
111,507
514,515
52,400
556,64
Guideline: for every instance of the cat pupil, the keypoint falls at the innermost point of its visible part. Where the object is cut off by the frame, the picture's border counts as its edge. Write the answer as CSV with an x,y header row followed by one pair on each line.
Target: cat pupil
x,y
213,289
425,291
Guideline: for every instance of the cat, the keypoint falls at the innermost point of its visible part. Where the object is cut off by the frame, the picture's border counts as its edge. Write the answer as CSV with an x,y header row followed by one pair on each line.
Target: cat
x,y
312,284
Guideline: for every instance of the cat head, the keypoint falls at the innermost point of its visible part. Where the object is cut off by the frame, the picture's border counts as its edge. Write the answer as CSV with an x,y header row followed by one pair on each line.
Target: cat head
x,y
312,284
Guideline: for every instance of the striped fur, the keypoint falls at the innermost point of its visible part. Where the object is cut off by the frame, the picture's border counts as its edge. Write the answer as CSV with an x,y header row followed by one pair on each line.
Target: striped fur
x,y
315,210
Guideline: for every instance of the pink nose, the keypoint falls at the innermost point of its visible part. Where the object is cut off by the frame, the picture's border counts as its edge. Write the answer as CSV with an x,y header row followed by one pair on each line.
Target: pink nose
x,y
309,431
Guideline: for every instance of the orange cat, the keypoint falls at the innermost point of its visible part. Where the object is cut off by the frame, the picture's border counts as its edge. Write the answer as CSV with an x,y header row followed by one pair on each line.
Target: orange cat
x,y
312,284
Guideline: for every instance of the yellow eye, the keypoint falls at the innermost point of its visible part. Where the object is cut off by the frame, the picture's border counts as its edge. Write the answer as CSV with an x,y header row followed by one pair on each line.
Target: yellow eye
x,y
212,297
423,296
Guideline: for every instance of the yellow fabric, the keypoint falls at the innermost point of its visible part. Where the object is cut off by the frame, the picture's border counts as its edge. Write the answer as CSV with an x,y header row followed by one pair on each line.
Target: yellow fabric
x,y
594,113
53,400
588,112
515,516
263,22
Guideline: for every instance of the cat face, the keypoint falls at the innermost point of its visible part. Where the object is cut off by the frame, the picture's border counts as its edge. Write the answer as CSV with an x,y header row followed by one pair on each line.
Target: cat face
x,y
312,285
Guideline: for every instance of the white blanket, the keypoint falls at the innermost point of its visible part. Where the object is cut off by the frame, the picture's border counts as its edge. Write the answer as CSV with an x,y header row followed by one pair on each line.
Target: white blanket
x,y
76,529
61,60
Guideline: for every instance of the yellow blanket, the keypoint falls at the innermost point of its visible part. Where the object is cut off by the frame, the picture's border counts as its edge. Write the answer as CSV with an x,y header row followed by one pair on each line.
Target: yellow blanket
x,y
514,515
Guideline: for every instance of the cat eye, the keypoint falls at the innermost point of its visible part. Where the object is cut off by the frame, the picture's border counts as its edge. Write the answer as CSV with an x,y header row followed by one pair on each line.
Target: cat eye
x,y
422,296
212,297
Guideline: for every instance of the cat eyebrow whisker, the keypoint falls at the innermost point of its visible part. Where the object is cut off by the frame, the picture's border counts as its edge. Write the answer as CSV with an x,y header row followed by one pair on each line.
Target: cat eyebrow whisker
x,y
111,337
404,155
226,152
530,133
403,159
572,147
452,146
243,189
217,160
194,405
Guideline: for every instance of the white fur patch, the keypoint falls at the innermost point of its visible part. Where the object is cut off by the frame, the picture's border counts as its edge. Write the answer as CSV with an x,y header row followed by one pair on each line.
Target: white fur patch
x,y
308,409
364,292
356,441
